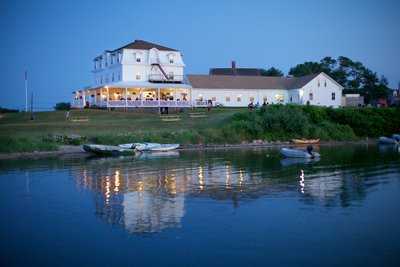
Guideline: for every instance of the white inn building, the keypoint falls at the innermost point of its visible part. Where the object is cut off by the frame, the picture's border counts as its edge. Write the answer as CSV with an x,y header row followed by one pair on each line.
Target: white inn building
x,y
144,74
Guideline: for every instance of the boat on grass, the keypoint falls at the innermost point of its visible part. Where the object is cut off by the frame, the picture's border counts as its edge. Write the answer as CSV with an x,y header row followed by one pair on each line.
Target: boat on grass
x,y
387,140
299,153
305,141
105,150
150,146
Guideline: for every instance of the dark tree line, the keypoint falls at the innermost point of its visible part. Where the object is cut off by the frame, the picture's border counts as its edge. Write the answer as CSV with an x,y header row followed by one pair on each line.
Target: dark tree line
x,y
352,75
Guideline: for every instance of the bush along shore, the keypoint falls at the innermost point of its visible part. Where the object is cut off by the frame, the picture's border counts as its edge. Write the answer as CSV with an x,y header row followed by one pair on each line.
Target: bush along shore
x,y
273,123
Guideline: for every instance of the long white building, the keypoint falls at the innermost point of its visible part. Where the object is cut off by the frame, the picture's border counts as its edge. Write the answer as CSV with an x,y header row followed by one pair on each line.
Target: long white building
x,y
239,91
144,74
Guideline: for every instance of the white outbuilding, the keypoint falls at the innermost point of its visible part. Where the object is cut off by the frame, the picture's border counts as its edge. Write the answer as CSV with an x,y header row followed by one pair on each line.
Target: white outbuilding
x,y
240,90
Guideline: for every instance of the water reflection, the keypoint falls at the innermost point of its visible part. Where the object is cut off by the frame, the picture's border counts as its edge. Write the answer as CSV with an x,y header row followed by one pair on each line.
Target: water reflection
x,y
146,196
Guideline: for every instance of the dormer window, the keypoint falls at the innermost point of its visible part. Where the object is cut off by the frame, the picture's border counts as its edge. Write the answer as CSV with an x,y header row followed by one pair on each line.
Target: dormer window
x,y
138,57
171,58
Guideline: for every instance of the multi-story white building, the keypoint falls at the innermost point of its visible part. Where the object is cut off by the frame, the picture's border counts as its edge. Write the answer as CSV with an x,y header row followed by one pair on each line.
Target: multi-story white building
x,y
140,74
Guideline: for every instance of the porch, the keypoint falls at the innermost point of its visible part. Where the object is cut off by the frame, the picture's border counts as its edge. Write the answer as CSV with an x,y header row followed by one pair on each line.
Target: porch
x,y
134,97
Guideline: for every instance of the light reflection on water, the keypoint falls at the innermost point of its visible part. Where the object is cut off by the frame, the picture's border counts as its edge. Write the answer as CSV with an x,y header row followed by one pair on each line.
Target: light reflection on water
x,y
146,195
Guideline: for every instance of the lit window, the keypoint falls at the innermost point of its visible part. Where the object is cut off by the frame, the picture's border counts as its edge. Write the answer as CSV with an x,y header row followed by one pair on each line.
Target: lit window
x,y
279,98
214,98
227,99
311,96
333,96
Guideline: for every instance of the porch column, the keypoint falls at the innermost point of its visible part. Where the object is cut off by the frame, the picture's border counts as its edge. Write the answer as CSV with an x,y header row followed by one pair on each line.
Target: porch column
x,y
159,101
126,99
108,96
83,98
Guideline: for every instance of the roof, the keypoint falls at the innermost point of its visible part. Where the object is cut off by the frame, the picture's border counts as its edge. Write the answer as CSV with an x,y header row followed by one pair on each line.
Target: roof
x,y
236,71
248,82
144,45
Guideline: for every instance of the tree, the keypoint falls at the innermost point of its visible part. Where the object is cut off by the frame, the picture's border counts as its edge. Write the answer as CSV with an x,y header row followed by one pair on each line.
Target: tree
x,y
306,68
273,72
63,106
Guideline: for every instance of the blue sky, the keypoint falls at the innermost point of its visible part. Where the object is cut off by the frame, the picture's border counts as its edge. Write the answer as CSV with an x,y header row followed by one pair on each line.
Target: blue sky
x,y
57,40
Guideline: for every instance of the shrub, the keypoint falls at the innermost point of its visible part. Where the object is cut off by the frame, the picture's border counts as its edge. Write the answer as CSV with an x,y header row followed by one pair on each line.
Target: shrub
x,y
63,106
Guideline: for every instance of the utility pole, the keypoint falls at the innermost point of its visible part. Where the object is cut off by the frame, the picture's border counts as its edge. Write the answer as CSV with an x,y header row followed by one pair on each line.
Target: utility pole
x,y
32,106
26,91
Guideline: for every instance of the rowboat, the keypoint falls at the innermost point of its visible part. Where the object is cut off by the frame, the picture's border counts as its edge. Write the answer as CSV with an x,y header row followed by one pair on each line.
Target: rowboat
x,y
298,153
105,150
387,140
305,141
396,136
150,146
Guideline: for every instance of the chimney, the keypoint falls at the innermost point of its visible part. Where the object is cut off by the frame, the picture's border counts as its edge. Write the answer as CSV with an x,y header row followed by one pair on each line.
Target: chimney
x,y
233,64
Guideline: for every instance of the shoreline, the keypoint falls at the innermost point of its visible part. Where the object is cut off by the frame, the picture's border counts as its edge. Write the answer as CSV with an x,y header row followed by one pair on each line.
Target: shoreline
x,y
77,150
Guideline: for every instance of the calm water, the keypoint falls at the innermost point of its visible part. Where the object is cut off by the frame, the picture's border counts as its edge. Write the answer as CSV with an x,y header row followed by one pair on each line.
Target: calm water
x,y
222,208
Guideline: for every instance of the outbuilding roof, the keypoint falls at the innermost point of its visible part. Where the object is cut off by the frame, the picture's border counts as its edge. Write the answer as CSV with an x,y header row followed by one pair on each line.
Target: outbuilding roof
x,y
248,82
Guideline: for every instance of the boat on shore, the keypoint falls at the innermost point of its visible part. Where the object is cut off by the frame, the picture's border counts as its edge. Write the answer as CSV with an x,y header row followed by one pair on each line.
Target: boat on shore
x,y
387,140
299,153
105,150
305,141
156,147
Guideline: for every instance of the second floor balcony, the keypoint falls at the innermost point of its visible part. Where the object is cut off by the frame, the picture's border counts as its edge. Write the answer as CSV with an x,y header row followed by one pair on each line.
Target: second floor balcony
x,y
161,78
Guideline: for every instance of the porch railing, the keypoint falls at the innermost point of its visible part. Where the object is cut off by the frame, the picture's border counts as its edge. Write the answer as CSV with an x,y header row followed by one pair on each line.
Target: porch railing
x,y
140,103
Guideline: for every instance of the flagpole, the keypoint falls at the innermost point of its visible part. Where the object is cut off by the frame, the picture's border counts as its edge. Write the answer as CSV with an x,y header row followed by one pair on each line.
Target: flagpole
x,y
26,91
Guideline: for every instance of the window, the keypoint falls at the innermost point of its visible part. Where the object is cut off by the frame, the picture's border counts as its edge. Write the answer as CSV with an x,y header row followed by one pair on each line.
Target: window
x,y
138,60
238,99
112,77
333,96
138,76
213,98
171,75
291,99
119,76
279,98
171,58
101,79
251,98
95,64
171,61
227,99
319,84
112,59
265,99
311,96
325,83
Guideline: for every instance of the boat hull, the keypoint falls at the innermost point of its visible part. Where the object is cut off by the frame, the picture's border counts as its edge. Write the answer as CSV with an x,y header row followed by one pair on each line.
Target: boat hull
x,y
297,153
103,150
387,140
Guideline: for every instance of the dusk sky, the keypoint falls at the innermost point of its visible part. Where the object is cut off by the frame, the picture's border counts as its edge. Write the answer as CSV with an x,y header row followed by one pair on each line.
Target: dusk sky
x,y
56,41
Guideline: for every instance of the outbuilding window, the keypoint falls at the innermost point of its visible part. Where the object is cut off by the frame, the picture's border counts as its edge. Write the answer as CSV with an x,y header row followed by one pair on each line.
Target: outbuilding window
x,y
227,99
311,96
333,96
238,99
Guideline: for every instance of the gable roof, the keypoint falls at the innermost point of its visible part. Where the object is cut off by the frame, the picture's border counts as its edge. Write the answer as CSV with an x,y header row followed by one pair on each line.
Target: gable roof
x,y
144,45
248,82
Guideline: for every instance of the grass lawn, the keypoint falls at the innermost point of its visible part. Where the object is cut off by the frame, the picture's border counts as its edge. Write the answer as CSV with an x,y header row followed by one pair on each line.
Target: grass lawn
x,y
19,133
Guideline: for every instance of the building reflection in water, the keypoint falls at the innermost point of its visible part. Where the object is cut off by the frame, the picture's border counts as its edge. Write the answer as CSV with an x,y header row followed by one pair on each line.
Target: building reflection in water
x,y
146,197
